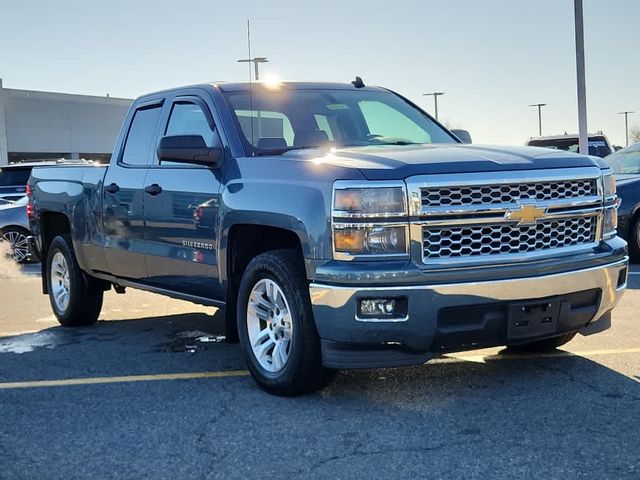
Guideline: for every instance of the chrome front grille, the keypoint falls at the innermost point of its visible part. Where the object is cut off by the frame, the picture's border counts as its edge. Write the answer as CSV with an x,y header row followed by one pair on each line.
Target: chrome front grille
x,y
476,240
494,218
497,194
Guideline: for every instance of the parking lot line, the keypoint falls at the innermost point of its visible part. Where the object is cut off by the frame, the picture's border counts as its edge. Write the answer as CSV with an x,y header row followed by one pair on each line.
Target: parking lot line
x,y
457,358
122,379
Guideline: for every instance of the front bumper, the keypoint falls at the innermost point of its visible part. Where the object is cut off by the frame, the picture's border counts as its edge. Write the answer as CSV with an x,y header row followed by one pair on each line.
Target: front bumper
x,y
457,316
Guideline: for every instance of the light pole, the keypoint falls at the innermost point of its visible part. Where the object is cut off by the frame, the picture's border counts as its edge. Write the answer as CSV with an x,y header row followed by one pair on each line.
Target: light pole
x,y
626,124
539,105
435,100
581,78
255,61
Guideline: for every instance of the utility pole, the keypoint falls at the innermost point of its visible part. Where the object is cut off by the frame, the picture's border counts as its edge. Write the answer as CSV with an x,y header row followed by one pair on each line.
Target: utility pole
x,y
435,100
255,61
581,81
626,124
539,105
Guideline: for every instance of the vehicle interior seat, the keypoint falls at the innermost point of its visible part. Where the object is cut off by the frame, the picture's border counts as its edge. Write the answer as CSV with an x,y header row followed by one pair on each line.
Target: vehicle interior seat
x,y
310,138
271,143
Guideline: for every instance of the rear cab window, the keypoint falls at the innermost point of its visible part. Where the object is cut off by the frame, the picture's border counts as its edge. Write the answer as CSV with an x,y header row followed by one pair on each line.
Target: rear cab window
x,y
140,136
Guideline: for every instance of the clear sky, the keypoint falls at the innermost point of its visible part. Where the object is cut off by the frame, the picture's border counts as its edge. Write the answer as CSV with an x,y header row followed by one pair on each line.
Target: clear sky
x,y
492,57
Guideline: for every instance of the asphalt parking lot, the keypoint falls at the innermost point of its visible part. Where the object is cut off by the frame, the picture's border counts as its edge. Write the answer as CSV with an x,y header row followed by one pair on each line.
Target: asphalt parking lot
x,y
153,391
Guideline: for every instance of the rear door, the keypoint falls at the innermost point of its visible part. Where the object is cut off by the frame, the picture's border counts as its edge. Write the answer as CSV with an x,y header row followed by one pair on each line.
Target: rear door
x,y
181,209
123,195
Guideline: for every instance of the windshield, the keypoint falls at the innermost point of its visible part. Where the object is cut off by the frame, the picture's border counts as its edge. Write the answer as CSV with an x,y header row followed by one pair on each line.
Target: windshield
x,y
597,145
626,160
277,121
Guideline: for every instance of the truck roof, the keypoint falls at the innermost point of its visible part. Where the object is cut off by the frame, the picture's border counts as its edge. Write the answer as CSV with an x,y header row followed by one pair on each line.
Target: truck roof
x,y
244,86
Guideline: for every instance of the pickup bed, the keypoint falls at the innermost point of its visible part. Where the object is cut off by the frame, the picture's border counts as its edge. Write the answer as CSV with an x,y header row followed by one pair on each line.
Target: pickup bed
x,y
338,225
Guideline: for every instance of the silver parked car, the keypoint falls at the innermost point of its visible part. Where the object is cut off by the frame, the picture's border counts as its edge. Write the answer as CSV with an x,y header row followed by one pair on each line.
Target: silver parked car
x,y
14,229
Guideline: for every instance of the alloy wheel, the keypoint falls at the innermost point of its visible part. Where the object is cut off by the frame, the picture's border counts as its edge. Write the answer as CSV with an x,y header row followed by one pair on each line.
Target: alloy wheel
x,y
60,283
269,325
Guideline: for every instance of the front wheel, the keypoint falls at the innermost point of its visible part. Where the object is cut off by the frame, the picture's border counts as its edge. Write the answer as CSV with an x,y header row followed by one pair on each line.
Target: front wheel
x,y
75,303
277,331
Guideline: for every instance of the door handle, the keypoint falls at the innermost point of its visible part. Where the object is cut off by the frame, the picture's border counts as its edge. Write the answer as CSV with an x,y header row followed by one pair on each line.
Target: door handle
x,y
112,188
154,189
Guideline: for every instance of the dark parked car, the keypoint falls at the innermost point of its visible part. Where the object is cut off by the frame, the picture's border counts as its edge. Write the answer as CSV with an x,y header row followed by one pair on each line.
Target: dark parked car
x,y
13,181
14,229
626,165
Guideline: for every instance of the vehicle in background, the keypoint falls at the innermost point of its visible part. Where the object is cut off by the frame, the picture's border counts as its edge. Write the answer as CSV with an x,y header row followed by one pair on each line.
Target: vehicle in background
x,y
13,181
626,165
14,229
599,145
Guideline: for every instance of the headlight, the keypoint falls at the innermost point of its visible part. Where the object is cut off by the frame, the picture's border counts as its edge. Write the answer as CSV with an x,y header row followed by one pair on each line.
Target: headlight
x,y
370,219
369,202
370,240
609,184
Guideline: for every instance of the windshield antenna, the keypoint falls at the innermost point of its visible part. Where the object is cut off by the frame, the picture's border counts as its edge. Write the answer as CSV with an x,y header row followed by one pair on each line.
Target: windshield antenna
x,y
250,84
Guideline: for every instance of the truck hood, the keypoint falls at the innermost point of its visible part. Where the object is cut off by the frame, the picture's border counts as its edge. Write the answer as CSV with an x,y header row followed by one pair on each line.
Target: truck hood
x,y
397,162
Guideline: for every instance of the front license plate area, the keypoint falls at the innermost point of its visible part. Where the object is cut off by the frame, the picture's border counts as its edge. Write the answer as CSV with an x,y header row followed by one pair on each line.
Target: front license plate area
x,y
533,318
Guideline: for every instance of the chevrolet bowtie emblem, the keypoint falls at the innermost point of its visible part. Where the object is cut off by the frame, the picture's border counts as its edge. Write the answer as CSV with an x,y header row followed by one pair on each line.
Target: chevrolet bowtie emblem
x,y
527,214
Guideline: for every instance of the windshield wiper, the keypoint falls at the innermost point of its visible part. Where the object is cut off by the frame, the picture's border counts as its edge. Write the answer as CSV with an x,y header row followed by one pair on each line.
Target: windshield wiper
x,y
397,142
280,151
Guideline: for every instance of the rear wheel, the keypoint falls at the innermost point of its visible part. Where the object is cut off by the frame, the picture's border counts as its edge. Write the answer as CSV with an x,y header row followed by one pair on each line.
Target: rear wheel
x,y
74,300
546,345
16,238
277,331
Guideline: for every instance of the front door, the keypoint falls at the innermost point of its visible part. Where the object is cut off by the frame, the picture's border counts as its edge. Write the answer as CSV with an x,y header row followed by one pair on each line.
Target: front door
x,y
124,195
181,210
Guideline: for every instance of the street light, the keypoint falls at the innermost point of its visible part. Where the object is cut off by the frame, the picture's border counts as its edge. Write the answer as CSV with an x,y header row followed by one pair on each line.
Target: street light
x,y
581,78
435,100
626,124
539,105
255,61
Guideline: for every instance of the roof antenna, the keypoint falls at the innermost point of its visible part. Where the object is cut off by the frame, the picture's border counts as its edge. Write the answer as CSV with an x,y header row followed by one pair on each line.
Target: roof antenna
x,y
358,83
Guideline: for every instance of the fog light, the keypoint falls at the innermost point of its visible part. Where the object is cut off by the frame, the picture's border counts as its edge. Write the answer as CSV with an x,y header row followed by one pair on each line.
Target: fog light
x,y
377,307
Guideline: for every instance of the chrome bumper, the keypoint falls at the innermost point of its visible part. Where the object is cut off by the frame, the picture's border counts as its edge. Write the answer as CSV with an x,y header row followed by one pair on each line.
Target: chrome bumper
x,y
335,307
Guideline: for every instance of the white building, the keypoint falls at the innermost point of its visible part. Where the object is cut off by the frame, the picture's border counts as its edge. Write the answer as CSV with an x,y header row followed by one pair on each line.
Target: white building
x,y
45,125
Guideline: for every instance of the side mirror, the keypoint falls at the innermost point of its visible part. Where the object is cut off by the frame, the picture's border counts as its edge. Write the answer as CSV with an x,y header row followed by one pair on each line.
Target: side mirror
x,y
188,149
463,135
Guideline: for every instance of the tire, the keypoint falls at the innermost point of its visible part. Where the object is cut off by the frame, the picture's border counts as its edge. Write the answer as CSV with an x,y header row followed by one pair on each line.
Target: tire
x,y
16,237
634,240
283,330
546,345
73,300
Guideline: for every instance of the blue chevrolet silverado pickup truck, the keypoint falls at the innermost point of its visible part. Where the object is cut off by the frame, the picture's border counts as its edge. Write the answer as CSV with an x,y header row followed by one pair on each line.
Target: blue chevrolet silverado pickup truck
x,y
338,225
